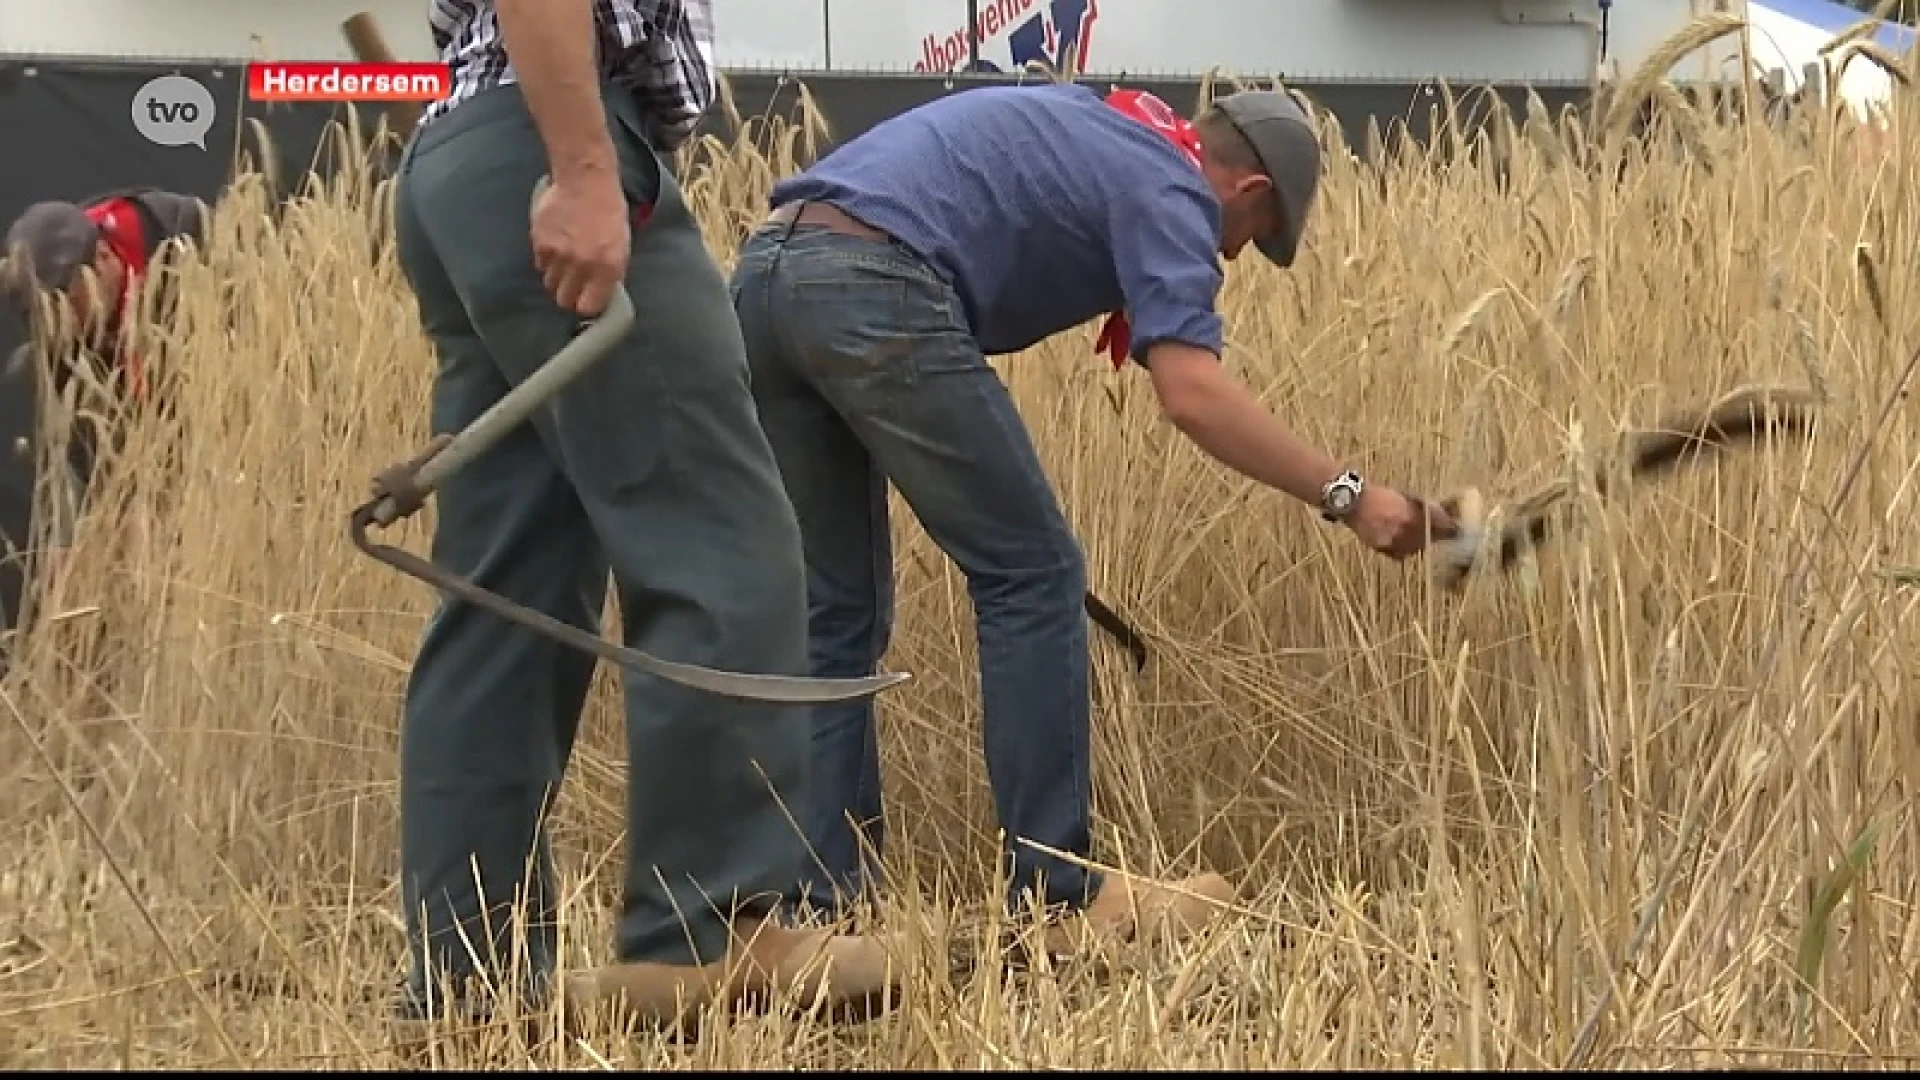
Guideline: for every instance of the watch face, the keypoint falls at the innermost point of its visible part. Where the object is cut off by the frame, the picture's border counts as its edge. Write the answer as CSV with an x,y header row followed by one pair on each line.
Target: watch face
x,y
1340,499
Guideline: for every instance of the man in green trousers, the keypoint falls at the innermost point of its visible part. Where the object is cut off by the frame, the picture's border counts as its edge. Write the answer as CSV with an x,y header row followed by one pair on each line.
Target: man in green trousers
x,y
652,466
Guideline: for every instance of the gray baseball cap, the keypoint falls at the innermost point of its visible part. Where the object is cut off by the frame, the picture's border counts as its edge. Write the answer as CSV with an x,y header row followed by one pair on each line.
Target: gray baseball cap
x,y
1282,136
49,244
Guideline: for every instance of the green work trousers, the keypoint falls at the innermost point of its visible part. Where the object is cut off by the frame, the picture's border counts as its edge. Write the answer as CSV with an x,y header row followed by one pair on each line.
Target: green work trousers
x,y
652,466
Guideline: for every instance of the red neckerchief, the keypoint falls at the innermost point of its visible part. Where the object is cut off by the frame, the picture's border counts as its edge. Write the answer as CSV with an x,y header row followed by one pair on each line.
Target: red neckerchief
x,y
1116,336
120,226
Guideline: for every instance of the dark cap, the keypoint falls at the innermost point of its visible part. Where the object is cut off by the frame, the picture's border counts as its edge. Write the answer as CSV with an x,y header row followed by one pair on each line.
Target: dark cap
x,y
49,244
1283,138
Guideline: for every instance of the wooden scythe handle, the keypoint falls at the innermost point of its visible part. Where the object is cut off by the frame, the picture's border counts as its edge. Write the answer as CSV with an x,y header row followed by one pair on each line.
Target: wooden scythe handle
x,y
370,47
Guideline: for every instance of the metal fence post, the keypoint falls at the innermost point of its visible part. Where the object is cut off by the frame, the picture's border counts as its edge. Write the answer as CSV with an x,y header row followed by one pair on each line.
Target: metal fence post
x,y
973,36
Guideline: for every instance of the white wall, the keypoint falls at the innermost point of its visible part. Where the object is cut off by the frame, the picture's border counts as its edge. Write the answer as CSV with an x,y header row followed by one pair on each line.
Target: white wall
x,y
207,29
1346,39
1460,40
1781,42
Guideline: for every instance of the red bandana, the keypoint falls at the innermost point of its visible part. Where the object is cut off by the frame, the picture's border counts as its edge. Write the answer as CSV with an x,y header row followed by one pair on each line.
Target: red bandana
x,y
1116,335
119,224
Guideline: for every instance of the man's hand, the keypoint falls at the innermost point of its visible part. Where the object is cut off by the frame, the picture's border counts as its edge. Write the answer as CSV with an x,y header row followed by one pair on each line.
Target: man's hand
x,y
581,234
1395,525
581,239
1225,420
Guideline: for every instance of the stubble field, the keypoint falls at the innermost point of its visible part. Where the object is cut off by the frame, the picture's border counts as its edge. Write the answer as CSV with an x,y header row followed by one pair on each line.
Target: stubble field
x,y
1644,803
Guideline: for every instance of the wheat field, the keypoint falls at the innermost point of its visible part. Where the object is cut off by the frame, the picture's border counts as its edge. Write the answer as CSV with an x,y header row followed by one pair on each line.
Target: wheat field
x,y
1641,803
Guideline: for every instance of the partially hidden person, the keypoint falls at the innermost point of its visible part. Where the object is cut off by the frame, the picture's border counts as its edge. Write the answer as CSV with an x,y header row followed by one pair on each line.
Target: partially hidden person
x,y
75,272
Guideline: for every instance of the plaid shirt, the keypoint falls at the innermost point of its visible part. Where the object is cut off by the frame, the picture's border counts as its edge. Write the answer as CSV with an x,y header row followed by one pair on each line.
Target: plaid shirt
x,y
660,49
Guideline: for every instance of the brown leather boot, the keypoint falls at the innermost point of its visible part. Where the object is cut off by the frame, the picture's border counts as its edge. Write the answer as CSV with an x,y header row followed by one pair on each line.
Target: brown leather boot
x,y
1129,908
850,976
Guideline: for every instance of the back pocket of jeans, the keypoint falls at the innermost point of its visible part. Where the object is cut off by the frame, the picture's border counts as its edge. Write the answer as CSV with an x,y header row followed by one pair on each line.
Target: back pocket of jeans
x,y
852,325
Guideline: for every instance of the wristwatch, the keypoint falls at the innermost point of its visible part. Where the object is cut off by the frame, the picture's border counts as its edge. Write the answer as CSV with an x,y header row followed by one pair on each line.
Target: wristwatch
x,y
1341,495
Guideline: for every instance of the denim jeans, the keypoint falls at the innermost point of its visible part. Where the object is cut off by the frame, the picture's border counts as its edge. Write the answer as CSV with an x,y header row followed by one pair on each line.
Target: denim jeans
x,y
864,372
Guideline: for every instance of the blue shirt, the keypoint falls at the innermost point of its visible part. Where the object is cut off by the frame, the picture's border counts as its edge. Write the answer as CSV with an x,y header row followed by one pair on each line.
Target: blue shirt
x,y
1044,207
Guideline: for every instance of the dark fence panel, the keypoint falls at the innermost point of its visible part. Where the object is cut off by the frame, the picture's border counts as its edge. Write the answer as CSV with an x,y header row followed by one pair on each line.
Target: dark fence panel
x,y
69,133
